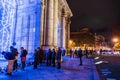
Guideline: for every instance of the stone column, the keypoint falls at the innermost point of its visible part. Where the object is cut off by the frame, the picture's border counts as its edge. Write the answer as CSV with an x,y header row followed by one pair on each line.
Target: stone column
x,y
42,23
64,32
24,33
63,35
28,32
32,32
61,29
68,35
19,26
55,28
49,25
37,13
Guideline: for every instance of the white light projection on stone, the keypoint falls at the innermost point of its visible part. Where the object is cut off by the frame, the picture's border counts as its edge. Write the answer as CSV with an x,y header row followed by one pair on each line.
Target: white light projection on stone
x,y
7,13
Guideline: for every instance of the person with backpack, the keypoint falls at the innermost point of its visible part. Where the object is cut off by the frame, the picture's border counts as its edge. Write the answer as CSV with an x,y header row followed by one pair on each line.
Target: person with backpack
x,y
10,56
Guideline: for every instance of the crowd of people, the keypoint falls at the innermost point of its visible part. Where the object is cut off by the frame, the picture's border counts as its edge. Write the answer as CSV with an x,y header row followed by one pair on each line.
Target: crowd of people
x,y
52,57
79,53
12,58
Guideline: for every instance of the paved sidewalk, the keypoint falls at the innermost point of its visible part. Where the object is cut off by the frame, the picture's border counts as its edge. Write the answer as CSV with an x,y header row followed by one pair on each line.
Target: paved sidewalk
x,y
70,71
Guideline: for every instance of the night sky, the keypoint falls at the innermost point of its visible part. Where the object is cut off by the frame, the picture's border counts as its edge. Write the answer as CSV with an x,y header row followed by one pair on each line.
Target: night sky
x,y
94,14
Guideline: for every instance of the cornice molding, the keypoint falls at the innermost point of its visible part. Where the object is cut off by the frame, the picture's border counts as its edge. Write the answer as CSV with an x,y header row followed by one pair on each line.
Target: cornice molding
x,y
66,8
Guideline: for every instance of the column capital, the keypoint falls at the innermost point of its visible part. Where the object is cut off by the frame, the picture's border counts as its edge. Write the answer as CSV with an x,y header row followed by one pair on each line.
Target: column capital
x,y
63,13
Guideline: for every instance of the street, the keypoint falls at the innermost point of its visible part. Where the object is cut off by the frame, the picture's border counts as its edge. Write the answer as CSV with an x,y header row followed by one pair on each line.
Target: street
x,y
108,66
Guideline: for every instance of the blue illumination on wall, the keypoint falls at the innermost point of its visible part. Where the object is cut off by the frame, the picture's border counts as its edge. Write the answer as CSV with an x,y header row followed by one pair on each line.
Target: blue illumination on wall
x,y
59,35
6,24
20,24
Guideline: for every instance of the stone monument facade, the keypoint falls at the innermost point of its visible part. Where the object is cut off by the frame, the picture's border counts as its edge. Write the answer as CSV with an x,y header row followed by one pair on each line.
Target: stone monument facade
x,y
34,23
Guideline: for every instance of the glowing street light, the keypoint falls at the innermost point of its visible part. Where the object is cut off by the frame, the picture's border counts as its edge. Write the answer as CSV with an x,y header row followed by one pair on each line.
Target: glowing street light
x,y
115,40
71,43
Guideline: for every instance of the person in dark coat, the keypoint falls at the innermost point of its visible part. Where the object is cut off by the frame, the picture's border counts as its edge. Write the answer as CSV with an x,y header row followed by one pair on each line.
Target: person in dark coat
x,y
11,57
71,52
36,59
41,55
23,57
49,57
16,59
101,51
86,53
63,52
58,58
80,56
75,53
53,57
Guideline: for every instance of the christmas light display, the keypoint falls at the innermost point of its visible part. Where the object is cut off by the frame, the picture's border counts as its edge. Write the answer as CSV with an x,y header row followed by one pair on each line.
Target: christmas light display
x,y
7,9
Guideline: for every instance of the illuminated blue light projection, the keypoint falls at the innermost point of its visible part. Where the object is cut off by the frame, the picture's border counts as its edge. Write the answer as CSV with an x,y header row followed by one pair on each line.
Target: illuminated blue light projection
x,y
59,35
7,13
20,24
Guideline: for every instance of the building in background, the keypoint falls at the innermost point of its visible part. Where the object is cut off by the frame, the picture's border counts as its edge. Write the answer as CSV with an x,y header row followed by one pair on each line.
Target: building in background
x,y
33,23
83,38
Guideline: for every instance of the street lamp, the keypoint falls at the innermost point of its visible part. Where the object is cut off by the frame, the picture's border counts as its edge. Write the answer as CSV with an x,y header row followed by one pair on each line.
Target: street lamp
x,y
71,43
115,40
